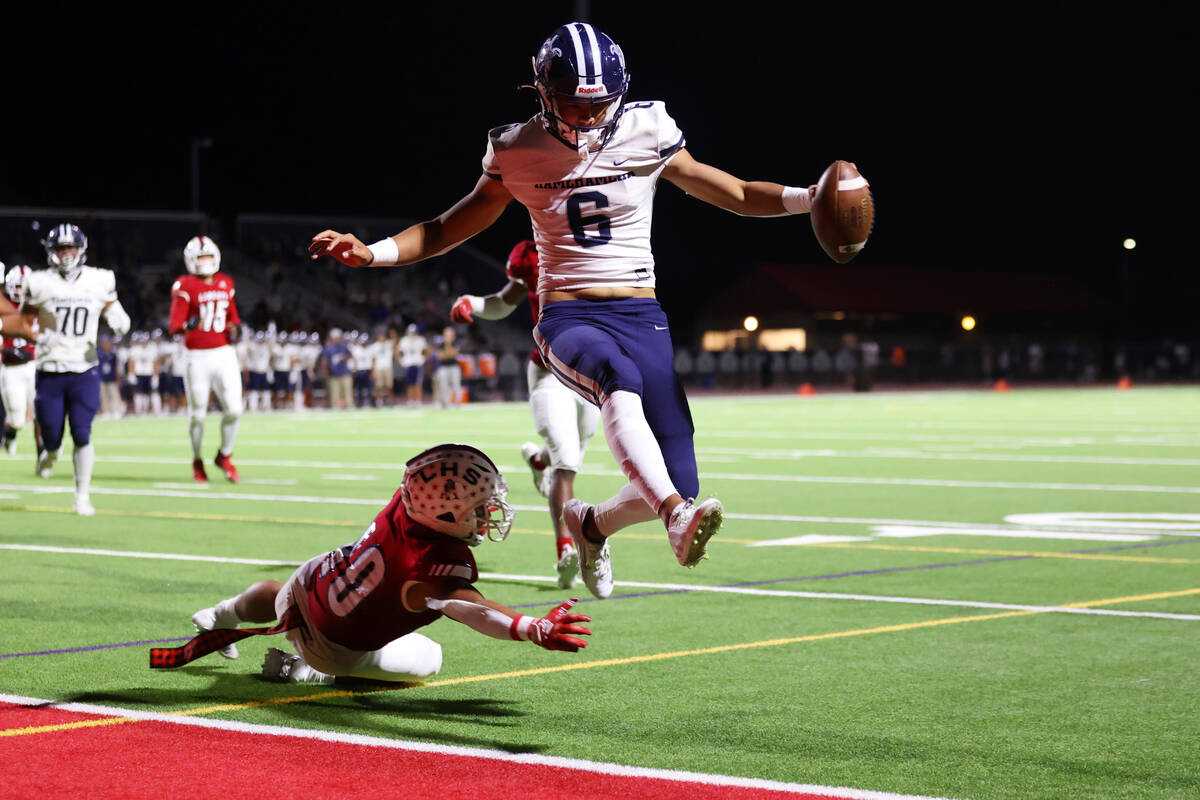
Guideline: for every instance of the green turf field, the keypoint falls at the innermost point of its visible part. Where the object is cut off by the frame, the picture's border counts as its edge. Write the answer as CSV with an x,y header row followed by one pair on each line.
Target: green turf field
x,y
960,594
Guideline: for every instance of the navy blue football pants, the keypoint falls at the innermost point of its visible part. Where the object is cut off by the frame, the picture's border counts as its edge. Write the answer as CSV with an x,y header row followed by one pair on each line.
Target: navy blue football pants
x,y
598,347
62,396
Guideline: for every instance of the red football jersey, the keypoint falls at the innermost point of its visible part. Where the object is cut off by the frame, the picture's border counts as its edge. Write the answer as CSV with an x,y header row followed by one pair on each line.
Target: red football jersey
x,y
522,265
354,595
213,304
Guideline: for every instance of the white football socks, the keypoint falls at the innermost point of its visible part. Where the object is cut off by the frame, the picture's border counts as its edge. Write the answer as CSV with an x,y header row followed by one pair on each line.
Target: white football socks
x,y
196,434
623,509
85,458
634,447
229,426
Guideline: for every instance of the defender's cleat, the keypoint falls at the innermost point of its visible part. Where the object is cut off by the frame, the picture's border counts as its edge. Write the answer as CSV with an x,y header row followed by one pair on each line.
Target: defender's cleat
x,y
277,666
281,666
10,445
207,619
83,505
198,471
225,463
691,527
567,567
595,560
531,454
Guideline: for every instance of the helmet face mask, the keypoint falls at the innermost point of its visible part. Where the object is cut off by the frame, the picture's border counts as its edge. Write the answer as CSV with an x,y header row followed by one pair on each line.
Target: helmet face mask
x,y
202,256
66,248
581,81
457,490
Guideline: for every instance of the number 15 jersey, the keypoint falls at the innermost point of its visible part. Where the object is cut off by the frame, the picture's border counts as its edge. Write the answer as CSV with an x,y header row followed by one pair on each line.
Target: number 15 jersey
x,y
591,217
212,304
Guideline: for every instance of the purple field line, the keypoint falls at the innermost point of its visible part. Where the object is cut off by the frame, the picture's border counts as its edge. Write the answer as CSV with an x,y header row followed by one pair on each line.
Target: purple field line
x,y
831,576
94,647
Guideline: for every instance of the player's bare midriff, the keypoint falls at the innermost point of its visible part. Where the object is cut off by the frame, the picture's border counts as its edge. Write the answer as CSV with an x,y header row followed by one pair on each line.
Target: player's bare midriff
x,y
597,293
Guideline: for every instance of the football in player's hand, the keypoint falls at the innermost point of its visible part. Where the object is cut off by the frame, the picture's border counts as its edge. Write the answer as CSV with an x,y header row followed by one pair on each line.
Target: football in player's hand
x,y
843,211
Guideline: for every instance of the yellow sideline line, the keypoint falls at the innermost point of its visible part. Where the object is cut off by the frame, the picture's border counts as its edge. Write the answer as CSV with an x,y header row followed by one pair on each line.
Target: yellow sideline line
x,y
987,552
816,637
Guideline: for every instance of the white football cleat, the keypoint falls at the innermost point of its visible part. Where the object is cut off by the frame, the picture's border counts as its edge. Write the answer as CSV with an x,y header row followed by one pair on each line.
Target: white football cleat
x,y
567,567
83,505
595,560
691,527
283,666
207,619
531,454
45,464
10,445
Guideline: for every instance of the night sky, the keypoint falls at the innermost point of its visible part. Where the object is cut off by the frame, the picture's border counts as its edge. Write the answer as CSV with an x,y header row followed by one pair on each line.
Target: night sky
x,y
995,137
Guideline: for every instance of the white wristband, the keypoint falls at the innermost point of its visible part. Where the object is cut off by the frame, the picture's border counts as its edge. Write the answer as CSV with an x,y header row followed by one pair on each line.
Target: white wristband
x,y
796,200
384,253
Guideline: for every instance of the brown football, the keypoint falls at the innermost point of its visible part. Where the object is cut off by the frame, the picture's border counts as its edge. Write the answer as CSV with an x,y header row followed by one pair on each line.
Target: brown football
x,y
842,211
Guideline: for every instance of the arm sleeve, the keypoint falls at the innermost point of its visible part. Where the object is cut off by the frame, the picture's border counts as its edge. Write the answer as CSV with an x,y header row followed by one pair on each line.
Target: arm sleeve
x,y
179,308
116,318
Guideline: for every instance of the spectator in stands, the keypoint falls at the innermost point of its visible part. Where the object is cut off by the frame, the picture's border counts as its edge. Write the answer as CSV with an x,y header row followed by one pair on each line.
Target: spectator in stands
x,y
413,352
382,351
335,369
449,374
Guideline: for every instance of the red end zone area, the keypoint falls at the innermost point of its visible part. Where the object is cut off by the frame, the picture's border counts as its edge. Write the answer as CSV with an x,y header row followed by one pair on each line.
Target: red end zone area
x,y
68,753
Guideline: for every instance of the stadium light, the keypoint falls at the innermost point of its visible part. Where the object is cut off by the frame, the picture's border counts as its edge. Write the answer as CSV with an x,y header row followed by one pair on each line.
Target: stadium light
x,y
750,323
968,323
1129,244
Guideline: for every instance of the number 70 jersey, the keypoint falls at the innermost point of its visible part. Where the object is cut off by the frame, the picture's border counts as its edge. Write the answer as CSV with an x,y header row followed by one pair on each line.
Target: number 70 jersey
x,y
211,303
71,307
591,216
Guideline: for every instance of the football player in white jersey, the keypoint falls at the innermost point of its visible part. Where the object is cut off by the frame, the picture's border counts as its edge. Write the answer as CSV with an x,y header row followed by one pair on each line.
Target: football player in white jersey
x,y
585,168
70,299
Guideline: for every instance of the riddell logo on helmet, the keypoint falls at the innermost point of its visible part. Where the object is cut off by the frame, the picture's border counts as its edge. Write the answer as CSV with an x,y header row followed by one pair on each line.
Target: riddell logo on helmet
x,y
589,89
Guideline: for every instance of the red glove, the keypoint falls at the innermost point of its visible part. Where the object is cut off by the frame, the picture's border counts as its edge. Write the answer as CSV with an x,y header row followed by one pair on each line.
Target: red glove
x,y
461,310
554,631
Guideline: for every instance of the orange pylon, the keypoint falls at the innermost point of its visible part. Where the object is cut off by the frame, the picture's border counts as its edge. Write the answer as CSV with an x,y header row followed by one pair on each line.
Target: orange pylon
x,y
1124,383
806,388
1001,386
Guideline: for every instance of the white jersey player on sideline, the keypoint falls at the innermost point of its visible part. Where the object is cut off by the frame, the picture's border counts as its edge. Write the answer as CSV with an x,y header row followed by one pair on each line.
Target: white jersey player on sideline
x,y
70,299
143,374
258,367
282,356
586,168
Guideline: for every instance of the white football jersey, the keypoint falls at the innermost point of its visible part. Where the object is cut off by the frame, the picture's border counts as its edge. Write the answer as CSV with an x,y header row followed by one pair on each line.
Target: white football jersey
x,y
258,357
412,350
591,217
72,308
143,358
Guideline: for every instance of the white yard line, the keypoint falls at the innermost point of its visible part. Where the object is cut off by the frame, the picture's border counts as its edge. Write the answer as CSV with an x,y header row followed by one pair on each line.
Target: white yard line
x,y
560,762
661,587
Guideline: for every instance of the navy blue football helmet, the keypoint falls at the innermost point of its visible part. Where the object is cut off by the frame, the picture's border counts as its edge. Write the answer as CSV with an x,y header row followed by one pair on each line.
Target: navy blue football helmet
x,y
65,235
582,66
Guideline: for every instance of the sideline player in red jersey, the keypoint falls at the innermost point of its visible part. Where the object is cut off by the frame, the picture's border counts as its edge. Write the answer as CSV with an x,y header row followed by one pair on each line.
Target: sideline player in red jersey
x,y
354,611
564,420
204,310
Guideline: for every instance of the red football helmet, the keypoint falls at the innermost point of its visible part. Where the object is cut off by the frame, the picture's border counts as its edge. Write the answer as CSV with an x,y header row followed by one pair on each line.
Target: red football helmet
x,y
522,264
